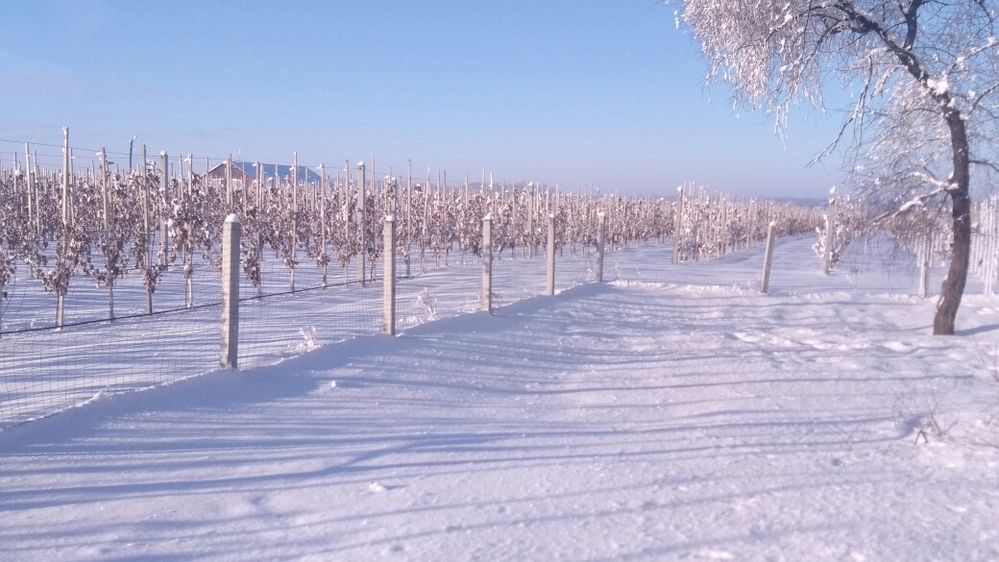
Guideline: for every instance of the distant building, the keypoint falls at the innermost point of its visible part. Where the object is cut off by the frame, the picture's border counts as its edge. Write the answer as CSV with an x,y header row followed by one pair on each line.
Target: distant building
x,y
248,170
218,172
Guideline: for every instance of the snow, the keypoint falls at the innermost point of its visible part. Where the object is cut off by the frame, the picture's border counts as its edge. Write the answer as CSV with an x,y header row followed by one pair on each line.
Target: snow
x,y
938,86
660,416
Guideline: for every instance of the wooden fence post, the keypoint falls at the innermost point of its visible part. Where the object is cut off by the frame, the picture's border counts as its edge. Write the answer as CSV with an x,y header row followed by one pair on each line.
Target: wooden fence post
x,y
601,242
388,281
551,255
487,263
768,259
230,292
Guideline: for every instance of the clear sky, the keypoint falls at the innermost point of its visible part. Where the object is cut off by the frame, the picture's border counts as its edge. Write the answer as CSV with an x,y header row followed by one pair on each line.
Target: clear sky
x,y
568,92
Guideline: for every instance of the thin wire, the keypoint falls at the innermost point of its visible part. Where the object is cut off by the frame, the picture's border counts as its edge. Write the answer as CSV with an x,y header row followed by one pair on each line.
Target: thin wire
x,y
110,321
23,142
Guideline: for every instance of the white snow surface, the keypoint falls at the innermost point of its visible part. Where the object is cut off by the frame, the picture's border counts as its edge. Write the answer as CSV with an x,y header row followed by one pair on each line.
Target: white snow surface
x,y
626,421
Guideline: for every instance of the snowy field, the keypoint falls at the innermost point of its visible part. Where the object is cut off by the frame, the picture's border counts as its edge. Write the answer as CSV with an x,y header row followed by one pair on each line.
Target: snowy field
x,y
673,413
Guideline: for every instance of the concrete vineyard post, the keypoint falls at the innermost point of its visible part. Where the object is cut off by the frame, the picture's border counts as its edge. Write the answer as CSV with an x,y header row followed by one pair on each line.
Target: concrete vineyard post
x,y
409,215
61,293
601,242
228,184
104,225
323,220
487,263
230,292
363,248
32,177
677,224
294,221
65,176
147,260
388,276
262,191
550,291
346,216
165,191
768,258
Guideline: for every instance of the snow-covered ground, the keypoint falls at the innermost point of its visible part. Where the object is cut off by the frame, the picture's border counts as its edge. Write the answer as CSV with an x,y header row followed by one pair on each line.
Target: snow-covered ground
x,y
674,413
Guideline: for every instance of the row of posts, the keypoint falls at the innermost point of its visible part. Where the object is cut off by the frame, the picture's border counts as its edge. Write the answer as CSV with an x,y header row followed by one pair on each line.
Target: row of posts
x,y
230,276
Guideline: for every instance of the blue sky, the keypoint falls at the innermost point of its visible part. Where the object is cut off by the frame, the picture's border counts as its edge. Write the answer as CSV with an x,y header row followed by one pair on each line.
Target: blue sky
x,y
601,92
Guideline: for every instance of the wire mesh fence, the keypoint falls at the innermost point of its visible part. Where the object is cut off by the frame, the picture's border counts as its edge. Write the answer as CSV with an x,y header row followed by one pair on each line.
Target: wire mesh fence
x,y
278,326
870,265
45,370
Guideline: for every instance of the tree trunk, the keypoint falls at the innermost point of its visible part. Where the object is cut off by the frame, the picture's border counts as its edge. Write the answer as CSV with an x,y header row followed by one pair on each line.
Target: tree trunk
x,y
957,275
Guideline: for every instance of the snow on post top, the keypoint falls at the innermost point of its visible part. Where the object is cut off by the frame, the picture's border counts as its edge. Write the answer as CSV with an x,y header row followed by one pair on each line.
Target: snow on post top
x,y
488,217
232,218
360,164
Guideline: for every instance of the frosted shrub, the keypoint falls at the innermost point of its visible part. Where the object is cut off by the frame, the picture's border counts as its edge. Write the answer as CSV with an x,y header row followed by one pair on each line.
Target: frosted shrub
x,y
425,307
309,342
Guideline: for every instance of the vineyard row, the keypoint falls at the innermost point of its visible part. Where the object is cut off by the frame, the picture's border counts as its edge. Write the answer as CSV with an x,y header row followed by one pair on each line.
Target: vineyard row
x,y
106,224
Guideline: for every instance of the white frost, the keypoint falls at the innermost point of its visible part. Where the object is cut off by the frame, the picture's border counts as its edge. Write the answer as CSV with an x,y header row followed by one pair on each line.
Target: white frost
x,y
938,86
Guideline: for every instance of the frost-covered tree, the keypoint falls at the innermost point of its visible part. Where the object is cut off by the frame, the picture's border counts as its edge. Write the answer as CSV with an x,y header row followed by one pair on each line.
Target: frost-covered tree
x,y
922,77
